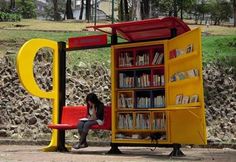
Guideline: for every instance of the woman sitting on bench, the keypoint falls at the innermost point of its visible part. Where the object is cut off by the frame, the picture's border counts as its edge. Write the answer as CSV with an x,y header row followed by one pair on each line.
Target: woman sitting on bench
x,y
95,113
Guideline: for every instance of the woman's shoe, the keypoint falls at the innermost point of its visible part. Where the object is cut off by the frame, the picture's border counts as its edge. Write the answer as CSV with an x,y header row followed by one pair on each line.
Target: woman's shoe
x,y
84,145
77,146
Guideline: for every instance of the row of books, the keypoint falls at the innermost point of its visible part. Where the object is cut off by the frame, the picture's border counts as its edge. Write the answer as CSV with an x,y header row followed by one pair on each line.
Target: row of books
x,y
137,136
142,121
142,59
125,59
159,101
125,121
178,52
184,75
183,99
143,102
125,81
143,80
158,80
159,122
125,102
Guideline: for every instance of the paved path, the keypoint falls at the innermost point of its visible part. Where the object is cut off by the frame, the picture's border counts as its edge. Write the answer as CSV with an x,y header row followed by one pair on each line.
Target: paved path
x,y
25,153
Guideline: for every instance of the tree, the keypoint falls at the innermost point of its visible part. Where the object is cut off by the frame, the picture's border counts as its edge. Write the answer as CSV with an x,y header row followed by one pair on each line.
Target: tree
x,y
145,7
234,7
69,12
123,10
57,16
12,5
138,10
27,8
81,10
88,10
220,11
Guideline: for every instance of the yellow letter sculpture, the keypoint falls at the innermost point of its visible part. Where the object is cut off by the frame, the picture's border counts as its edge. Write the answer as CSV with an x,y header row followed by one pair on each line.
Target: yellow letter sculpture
x,y
25,63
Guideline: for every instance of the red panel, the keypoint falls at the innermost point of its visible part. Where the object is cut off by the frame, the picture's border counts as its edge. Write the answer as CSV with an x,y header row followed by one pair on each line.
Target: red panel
x,y
146,29
87,41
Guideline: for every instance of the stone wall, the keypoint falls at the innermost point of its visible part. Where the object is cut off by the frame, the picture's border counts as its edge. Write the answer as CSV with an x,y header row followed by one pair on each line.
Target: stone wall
x,y
23,116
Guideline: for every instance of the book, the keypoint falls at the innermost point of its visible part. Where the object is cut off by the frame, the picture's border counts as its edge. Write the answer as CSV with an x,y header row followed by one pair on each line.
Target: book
x,y
185,99
189,48
193,98
155,58
160,59
179,98
85,119
172,54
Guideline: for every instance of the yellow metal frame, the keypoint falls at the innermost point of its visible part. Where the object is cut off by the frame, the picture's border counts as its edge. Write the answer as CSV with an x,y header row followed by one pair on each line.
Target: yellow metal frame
x,y
186,122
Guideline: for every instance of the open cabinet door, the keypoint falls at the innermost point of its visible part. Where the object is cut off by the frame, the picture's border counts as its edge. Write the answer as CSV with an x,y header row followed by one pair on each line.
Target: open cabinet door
x,y
185,89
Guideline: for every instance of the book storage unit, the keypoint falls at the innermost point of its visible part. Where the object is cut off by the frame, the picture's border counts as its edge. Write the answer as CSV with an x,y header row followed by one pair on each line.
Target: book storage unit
x,y
157,87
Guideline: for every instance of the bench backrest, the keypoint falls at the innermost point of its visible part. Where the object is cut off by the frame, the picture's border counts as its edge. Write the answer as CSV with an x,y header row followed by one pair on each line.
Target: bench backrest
x,y
72,114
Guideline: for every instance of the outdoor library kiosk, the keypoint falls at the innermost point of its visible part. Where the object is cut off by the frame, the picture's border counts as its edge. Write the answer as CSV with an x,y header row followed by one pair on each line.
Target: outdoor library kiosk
x,y
157,83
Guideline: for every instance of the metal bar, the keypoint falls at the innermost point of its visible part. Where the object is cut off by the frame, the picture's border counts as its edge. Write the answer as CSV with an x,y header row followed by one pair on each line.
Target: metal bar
x,y
62,92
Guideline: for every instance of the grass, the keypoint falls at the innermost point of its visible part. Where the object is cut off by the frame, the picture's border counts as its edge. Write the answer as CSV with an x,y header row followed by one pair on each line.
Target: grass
x,y
217,41
216,47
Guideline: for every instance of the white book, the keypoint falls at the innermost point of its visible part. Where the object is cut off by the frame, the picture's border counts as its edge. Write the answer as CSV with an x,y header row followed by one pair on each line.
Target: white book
x,y
162,80
191,73
160,59
155,58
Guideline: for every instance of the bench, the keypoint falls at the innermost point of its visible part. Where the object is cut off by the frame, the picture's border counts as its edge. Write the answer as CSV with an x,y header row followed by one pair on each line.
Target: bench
x,y
71,115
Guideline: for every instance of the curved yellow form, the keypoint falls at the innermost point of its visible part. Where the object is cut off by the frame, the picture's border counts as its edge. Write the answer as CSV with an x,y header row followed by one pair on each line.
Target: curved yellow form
x,y
25,63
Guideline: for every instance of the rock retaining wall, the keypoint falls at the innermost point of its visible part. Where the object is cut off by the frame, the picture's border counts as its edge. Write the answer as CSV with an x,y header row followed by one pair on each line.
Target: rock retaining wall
x,y
25,117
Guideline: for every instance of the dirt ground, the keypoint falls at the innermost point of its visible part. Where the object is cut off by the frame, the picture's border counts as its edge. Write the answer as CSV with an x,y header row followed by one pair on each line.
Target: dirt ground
x,y
26,153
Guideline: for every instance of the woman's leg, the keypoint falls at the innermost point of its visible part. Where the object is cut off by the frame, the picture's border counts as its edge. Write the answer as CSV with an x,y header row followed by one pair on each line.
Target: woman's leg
x,y
80,127
85,131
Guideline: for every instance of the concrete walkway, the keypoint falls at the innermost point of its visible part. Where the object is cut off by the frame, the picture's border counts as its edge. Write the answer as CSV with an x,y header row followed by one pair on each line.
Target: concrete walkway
x,y
26,153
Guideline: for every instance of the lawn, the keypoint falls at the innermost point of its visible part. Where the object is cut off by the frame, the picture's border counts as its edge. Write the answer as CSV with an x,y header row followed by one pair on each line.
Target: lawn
x,y
216,47
217,41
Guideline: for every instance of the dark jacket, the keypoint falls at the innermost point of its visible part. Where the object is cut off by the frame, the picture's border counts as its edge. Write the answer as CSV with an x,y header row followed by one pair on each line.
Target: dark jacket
x,y
99,111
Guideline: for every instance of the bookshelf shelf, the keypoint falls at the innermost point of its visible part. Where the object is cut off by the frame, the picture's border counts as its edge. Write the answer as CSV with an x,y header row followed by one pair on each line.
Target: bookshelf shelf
x,y
196,104
144,88
140,130
182,82
182,57
140,67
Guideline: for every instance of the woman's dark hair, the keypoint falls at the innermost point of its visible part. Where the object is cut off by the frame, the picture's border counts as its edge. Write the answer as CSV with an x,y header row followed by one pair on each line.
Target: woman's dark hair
x,y
93,98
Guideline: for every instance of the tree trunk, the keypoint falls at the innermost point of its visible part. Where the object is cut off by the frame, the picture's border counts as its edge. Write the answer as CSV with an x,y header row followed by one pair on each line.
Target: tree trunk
x,y
126,10
88,10
133,11
81,10
138,10
150,9
12,5
121,10
145,9
56,14
69,12
234,6
181,9
175,8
